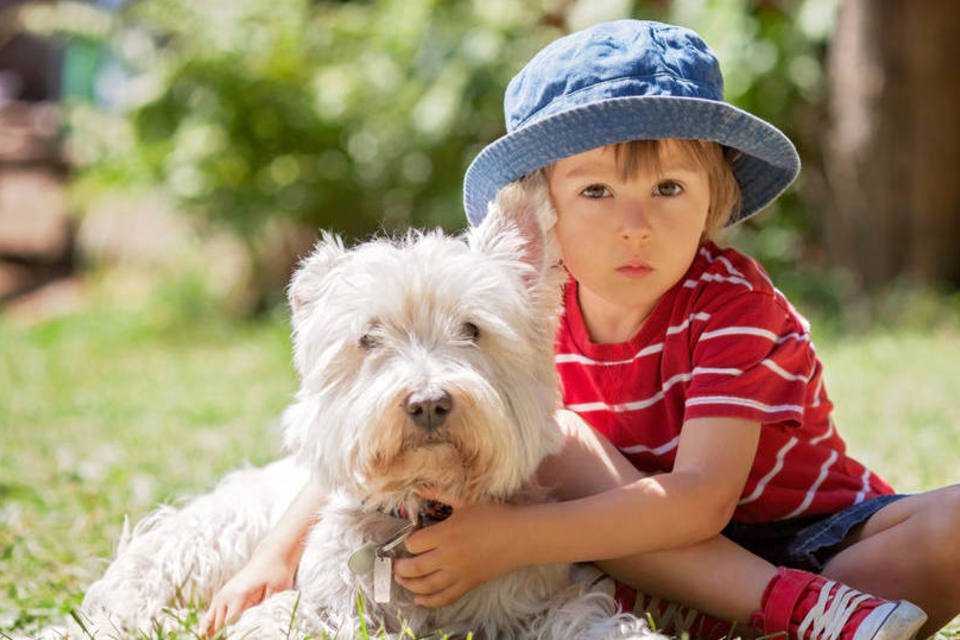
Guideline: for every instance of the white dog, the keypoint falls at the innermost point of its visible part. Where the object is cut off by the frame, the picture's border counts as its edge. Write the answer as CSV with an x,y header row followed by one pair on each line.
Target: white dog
x,y
425,362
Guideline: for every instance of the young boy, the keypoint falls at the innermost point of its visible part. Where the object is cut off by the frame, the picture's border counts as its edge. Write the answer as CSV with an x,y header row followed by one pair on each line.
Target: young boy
x,y
698,378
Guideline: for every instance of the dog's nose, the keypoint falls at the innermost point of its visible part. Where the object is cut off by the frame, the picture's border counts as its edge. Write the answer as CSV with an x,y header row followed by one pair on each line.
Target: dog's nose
x,y
429,409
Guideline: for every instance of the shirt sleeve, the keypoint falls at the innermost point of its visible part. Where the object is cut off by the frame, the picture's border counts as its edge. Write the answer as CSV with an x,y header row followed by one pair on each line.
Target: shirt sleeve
x,y
751,359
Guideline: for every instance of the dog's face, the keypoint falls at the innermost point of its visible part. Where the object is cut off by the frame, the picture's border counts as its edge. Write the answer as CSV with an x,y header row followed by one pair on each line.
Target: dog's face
x,y
428,361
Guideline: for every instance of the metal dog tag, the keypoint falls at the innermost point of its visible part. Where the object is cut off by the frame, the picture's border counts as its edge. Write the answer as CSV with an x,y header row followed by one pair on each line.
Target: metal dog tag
x,y
396,539
360,562
382,579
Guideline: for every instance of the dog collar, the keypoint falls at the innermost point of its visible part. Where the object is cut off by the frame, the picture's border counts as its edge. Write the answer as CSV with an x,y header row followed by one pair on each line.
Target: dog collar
x,y
430,512
362,560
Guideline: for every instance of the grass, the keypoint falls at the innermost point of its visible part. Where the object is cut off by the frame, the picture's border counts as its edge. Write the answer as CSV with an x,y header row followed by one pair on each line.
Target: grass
x,y
110,411
146,399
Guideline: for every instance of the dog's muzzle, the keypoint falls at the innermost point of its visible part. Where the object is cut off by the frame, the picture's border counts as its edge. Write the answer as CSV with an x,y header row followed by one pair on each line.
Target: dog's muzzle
x,y
429,409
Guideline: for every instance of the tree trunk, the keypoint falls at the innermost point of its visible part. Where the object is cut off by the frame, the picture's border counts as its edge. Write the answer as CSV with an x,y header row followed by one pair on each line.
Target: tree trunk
x,y
892,150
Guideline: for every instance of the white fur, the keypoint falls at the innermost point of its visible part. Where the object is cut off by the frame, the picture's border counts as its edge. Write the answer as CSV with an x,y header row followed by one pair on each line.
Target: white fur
x,y
372,325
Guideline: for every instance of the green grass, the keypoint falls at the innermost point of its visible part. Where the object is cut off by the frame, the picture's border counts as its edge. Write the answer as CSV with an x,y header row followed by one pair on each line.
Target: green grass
x,y
108,412
123,405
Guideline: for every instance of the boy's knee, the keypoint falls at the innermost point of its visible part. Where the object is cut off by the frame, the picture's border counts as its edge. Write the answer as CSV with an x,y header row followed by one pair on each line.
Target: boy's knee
x,y
941,524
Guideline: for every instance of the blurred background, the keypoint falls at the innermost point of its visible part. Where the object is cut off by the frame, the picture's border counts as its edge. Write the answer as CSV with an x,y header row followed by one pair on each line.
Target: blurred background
x,y
164,163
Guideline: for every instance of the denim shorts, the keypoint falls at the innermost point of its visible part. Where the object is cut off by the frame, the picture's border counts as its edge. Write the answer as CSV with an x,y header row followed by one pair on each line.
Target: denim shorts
x,y
804,543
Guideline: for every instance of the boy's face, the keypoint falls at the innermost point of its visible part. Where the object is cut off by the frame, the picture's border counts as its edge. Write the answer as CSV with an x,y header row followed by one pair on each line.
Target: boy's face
x,y
627,242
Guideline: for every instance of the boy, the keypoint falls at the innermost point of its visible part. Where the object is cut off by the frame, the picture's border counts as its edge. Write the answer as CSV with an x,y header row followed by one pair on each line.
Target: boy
x,y
691,364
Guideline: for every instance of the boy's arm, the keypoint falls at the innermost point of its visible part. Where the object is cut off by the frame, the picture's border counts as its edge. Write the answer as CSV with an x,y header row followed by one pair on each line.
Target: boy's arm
x,y
273,565
687,505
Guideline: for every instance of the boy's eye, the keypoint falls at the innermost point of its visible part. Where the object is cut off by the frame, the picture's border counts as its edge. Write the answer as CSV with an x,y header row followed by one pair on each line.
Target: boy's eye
x,y
595,191
668,188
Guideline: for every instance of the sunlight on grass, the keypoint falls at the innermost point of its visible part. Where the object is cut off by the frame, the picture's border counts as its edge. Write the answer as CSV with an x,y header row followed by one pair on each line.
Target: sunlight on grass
x,y
895,396
108,413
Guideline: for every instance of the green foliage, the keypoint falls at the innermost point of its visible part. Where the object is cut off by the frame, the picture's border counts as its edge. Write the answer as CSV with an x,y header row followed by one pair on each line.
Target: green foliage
x,y
348,116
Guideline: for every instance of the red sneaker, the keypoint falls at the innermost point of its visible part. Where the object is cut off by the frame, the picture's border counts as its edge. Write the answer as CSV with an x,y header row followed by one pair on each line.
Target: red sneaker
x,y
811,607
674,619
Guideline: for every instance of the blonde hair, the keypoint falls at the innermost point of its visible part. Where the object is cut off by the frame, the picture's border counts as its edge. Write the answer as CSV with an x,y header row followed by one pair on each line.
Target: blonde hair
x,y
715,159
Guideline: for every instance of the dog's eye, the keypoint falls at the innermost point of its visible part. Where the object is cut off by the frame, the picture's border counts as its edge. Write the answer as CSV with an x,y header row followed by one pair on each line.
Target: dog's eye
x,y
470,331
368,341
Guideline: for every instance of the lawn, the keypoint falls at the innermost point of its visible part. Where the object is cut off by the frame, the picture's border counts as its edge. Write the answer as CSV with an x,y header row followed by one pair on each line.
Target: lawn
x,y
122,405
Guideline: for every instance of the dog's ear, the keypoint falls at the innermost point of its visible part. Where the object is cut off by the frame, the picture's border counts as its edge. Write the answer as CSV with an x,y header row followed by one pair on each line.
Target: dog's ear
x,y
519,223
307,282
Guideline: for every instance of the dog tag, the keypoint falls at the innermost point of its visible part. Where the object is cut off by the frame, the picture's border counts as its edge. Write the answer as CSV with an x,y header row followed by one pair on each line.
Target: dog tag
x,y
396,539
382,579
360,562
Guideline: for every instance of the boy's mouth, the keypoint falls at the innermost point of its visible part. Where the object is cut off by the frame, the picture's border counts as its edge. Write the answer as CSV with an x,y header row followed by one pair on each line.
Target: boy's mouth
x,y
634,269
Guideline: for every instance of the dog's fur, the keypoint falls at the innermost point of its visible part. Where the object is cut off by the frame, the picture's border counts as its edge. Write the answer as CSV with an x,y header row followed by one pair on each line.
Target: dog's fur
x,y
374,327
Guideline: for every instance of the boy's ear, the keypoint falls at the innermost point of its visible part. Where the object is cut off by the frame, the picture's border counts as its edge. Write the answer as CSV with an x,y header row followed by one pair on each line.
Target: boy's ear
x,y
515,223
306,285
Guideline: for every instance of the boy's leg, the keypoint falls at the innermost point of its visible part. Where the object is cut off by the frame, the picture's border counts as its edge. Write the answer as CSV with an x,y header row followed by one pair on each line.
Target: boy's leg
x,y
700,576
718,576
908,549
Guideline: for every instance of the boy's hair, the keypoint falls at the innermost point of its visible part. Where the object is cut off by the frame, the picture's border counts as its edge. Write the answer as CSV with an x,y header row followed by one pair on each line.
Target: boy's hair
x,y
714,158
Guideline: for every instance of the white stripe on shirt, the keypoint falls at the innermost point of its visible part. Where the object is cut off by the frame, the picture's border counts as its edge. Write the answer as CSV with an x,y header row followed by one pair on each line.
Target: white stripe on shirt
x,y
713,277
812,491
765,480
780,371
816,394
865,478
686,323
578,358
823,436
716,371
729,266
743,402
662,449
634,405
739,331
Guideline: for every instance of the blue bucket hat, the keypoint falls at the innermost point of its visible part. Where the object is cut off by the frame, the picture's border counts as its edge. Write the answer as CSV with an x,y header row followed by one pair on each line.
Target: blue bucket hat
x,y
620,81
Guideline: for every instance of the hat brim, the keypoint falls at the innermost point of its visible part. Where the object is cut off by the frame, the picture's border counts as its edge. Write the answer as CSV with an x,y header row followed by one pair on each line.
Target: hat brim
x,y
765,168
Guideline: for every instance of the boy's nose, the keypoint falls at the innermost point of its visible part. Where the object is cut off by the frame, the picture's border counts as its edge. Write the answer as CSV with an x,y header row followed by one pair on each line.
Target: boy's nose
x,y
634,223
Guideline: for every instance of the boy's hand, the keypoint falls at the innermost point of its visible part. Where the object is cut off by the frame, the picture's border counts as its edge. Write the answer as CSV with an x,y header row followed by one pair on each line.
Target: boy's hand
x,y
264,574
477,543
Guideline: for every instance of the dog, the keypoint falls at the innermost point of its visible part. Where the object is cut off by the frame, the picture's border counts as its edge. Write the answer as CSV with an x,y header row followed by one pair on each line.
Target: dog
x,y
425,362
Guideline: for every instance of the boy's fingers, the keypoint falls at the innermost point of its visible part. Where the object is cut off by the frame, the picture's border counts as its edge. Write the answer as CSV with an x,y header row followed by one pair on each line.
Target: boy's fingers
x,y
443,598
233,613
434,583
418,567
212,625
214,614
421,540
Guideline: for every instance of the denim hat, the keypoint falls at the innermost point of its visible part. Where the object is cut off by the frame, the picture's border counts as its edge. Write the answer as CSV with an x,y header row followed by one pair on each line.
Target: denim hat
x,y
620,81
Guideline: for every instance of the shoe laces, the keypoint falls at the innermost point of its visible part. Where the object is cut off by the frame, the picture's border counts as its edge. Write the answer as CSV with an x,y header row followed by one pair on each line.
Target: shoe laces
x,y
826,619
674,617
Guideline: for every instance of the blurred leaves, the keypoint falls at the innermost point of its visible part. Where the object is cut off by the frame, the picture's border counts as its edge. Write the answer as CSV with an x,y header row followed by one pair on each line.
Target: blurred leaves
x,y
348,116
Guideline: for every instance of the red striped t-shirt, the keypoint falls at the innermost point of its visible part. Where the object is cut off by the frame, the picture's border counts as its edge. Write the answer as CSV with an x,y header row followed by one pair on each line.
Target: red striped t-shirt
x,y
723,342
